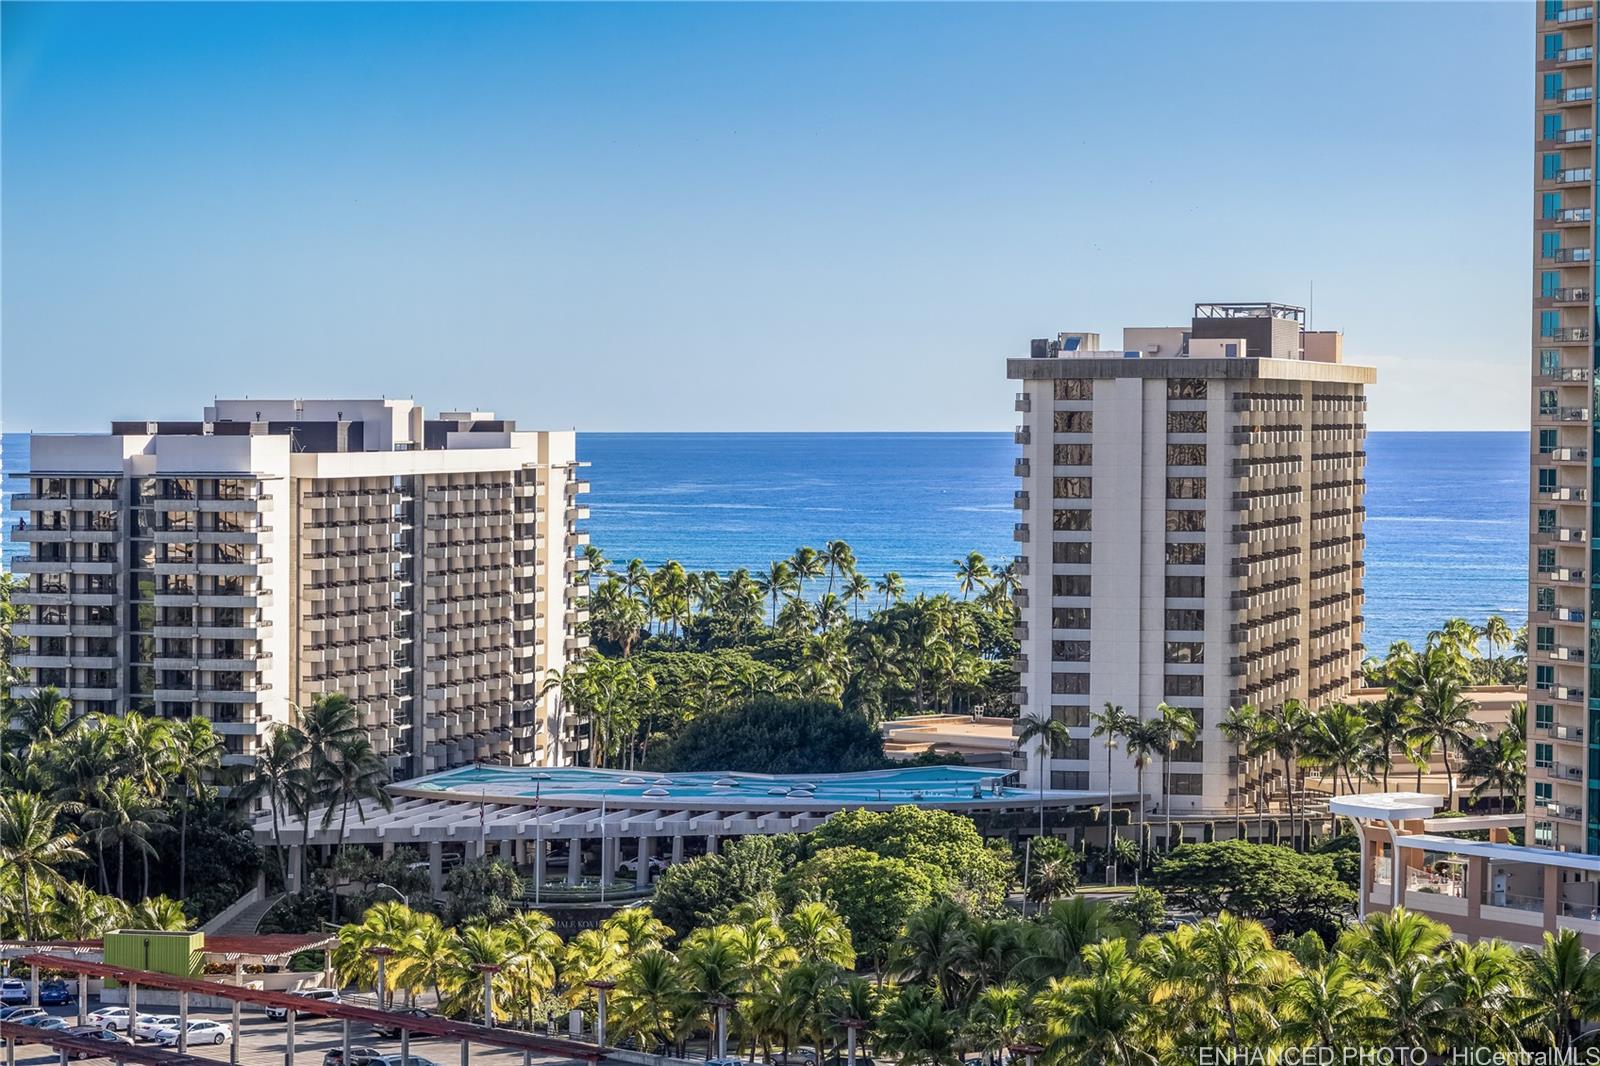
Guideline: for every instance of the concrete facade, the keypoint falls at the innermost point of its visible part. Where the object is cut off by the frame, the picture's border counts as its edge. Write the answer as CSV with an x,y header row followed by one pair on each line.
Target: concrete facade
x,y
276,551
1191,530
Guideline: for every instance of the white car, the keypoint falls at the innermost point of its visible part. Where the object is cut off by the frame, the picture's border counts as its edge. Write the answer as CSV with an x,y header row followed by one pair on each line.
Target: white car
x,y
113,1018
326,995
149,1026
200,1032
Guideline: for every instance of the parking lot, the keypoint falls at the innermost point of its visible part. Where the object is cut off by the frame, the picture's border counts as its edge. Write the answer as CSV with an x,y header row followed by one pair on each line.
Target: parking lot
x,y
261,1042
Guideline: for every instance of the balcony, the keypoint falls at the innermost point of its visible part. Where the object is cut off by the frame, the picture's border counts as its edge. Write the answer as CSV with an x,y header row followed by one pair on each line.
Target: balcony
x,y
1566,535
1566,414
1571,15
1563,654
1019,500
1569,216
1568,255
1578,94
1574,176
1559,732
1581,54
1023,402
1568,455
1571,295
1568,614
1576,375
1022,435
1563,493
1567,138
1019,533
1561,771
1021,468
1569,334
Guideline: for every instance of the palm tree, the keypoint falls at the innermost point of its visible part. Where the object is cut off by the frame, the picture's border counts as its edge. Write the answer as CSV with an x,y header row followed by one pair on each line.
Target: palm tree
x,y
275,778
816,933
1174,726
918,1029
198,753
1098,1018
1339,742
1564,980
1391,725
931,948
1113,723
1499,634
806,564
779,580
972,572
158,913
713,968
533,949
36,719
329,720
352,773
123,815
1325,1006
839,559
1444,713
33,846
1145,739
1052,735
651,999
892,587
1242,968
857,588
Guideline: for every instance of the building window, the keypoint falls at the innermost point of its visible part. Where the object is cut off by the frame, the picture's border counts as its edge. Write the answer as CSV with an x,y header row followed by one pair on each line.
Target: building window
x,y
1069,684
1547,402
1552,86
1185,521
1543,791
1074,454
1186,586
1549,323
1544,715
1186,421
1545,560
1072,551
1069,651
1543,755
1186,554
1185,651
1544,638
1069,780
1186,488
1550,206
1186,784
1551,162
1547,441
1075,389
1186,455
1185,618
1186,388
1544,598
1074,422
1189,751
1070,585
1544,678
1073,716
1552,45
1069,618
1072,521
1549,362
1549,241
1547,520
1547,479
1074,488
1544,834
1184,685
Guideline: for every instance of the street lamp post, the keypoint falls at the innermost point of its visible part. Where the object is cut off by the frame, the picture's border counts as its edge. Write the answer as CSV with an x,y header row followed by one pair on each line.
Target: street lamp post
x,y
381,954
850,1027
722,1003
600,990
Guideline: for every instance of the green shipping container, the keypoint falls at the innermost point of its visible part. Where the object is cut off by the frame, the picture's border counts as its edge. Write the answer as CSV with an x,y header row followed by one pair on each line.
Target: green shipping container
x,y
180,954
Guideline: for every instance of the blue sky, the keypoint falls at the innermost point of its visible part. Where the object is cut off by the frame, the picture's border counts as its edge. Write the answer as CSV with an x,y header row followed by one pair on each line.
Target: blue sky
x,y
733,217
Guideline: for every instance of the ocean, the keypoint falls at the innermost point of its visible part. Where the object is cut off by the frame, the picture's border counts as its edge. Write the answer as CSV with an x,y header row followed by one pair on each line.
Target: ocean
x,y
1447,513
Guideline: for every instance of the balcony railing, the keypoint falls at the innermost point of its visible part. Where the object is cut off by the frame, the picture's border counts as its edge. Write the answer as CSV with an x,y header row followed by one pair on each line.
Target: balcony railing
x,y
1573,55
1570,296
1570,214
1573,175
1568,334
1568,373
1576,14
1556,731
1576,95
1569,255
1563,138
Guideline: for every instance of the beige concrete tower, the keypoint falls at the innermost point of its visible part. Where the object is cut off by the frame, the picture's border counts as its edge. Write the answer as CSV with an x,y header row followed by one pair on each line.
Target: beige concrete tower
x,y
1191,533
279,550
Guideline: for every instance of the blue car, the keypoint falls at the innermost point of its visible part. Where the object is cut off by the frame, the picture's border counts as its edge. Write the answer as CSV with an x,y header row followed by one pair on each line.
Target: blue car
x,y
54,993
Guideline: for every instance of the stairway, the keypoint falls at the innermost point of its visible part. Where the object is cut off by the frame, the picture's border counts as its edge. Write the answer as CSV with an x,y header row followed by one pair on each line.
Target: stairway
x,y
244,922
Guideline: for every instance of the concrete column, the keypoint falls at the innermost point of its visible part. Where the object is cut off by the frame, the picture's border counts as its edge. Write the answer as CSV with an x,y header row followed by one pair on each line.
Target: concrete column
x,y
1477,868
183,1022
133,1005
83,997
1364,880
387,848
33,992
677,848
711,843
436,868
291,875
233,1045
505,849
641,876
288,1040
574,860
1552,897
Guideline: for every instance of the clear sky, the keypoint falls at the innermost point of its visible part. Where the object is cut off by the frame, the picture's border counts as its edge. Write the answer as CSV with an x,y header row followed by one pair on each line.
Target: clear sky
x,y
730,217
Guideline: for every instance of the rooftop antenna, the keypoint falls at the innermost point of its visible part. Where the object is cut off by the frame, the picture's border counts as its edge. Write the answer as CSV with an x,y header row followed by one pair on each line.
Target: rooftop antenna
x,y
1311,309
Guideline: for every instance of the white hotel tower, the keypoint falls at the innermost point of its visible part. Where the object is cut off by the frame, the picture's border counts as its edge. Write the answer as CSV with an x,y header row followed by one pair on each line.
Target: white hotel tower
x,y
1191,532
282,549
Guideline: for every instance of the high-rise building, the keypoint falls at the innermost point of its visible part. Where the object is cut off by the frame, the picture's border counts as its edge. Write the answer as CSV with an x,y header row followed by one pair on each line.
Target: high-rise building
x,y
278,550
1191,533
1564,784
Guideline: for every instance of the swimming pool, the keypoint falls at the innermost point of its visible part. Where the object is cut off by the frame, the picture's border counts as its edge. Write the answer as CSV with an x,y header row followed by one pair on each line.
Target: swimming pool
x,y
931,785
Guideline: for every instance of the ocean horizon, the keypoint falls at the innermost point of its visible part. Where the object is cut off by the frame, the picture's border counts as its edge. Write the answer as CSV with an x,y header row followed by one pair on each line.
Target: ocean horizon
x,y
1446,511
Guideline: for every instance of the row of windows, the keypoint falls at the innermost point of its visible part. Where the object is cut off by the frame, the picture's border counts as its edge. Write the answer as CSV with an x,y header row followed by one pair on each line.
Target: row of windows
x,y
1177,619
1186,488
1186,455
1177,389
1077,716
1075,389
1078,781
1185,521
1074,488
1083,422
1072,551
1081,552
1071,585
1074,454
1179,652
1181,554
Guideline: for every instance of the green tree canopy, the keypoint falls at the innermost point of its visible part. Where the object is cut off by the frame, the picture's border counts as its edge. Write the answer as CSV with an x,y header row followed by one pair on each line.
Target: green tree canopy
x,y
1274,884
874,894
962,865
770,736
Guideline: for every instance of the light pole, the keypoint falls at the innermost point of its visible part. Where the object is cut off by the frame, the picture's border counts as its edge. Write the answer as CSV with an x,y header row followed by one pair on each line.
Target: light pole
x,y
381,954
488,969
403,897
850,1027
722,1003
1111,851
600,990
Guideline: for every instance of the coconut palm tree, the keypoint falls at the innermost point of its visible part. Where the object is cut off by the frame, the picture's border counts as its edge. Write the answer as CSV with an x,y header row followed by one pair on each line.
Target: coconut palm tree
x,y
857,588
124,816
352,773
806,564
32,844
892,587
840,560
918,1029
972,572
1339,741
778,581
1444,713
651,999
198,750
35,719
931,948
275,777
1391,726
1098,1018
816,933
1564,980
1145,740
1112,723
1174,726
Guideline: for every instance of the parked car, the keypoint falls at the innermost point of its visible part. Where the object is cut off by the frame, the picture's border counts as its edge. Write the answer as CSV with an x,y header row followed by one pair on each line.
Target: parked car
x,y
149,1026
394,1060
90,1032
837,1059
14,990
200,1032
360,1055
324,995
390,1031
796,1056
17,1013
42,1021
114,1018
54,993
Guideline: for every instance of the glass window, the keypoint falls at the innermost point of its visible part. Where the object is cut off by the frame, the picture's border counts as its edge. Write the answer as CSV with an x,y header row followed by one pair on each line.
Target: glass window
x,y
1544,677
1186,554
1072,715
1186,586
1547,401
1544,598
1074,421
1185,521
1069,618
1072,521
1547,560
1550,205
1544,638
1185,651
1551,127
1185,619
1549,362
1186,421
1549,323
1074,454
1547,479
1544,715
1186,388
1186,488
1549,244
1074,551
1550,165
1070,585
1552,86
1074,488
1543,755
1547,441
1069,684
1552,45
1075,389
1186,455
1183,685
1547,520
1069,651
1552,10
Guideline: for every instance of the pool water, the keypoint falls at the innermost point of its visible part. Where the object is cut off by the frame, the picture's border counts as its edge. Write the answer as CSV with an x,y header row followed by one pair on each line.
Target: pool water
x,y
909,785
